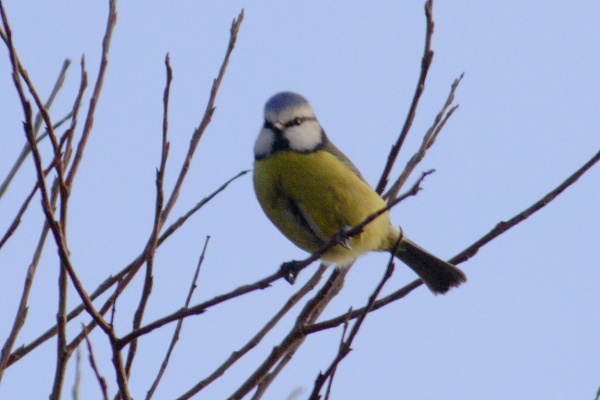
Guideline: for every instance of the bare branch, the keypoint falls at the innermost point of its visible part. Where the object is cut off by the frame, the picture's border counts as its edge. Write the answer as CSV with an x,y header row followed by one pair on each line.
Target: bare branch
x,y
470,251
21,313
158,220
89,121
109,282
208,113
15,224
77,381
199,308
26,148
425,64
291,269
342,340
93,364
282,353
428,141
175,337
236,355
345,345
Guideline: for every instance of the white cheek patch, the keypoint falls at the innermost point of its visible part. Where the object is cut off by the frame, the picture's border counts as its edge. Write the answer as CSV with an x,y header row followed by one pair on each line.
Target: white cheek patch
x,y
305,137
264,142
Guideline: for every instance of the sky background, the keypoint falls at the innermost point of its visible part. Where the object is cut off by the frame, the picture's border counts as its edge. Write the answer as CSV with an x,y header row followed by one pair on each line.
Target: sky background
x,y
527,323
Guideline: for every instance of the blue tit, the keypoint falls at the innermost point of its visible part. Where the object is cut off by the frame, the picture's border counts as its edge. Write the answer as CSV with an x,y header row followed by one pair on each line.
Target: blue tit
x,y
311,191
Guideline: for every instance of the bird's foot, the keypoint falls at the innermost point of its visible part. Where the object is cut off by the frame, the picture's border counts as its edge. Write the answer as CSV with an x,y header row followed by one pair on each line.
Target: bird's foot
x,y
345,241
290,271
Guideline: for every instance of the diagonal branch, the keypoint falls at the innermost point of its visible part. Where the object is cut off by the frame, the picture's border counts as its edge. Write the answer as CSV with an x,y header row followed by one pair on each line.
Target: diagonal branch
x,y
282,353
425,64
470,251
89,120
175,337
428,141
158,219
208,113
345,348
292,268
236,355
109,282
37,124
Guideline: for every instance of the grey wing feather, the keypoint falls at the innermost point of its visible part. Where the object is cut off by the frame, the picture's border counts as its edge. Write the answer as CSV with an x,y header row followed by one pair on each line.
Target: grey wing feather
x,y
331,148
297,212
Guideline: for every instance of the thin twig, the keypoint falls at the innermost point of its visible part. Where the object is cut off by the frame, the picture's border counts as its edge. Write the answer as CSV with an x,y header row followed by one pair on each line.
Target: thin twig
x,y
181,220
292,268
99,378
236,355
200,308
175,337
77,381
345,346
83,82
109,282
208,113
17,220
89,120
425,64
470,251
282,353
428,141
21,313
158,220
342,339
26,148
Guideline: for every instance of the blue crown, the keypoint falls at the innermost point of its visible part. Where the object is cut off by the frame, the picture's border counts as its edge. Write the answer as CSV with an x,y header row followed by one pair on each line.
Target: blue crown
x,y
284,100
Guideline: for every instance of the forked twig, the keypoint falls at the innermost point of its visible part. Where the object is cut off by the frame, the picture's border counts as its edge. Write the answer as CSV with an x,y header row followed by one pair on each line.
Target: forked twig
x,y
345,348
470,251
125,276
109,282
428,141
282,353
292,268
36,126
175,337
342,340
236,355
265,282
425,64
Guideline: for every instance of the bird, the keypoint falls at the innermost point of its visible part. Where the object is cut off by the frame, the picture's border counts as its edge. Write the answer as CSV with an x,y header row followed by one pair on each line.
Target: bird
x,y
311,191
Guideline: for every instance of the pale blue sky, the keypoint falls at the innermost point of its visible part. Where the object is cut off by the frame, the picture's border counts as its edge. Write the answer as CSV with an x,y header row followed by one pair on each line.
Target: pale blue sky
x,y
525,326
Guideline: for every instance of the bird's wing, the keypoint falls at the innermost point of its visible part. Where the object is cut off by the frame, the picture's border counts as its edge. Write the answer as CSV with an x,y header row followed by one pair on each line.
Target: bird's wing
x,y
298,212
331,148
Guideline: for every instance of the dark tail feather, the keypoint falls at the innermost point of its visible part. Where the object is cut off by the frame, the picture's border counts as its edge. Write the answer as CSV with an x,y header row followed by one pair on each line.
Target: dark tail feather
x,y
438,275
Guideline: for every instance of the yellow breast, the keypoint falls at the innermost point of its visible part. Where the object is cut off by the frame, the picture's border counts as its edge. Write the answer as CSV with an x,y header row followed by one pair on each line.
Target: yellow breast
x,y
330,197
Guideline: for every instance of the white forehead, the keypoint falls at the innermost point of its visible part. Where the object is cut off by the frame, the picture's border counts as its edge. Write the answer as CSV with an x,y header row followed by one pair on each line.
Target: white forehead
x,y
286,106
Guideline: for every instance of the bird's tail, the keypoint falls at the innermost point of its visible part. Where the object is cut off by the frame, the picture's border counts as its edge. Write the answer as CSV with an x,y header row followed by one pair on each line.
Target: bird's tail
x,y
438,275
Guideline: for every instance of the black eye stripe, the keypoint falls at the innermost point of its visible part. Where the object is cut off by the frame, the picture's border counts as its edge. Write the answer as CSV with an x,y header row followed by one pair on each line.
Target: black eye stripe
x,y
269,125
295,122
